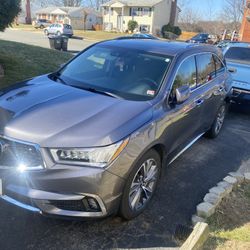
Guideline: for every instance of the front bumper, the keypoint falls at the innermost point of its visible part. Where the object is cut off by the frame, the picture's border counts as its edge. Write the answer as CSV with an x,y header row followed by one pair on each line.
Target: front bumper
x,y
63,191
240,96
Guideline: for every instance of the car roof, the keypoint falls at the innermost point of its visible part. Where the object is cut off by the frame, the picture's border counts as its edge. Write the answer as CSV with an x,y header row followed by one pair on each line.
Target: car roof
x,y
160,47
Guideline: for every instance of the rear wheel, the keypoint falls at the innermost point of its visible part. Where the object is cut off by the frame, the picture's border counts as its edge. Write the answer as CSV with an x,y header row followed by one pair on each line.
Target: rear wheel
x,y
141,185
42,27
46,32
218,123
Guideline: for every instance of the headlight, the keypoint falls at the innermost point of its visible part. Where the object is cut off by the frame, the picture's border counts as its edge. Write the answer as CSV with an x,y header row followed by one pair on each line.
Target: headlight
x,y
97,157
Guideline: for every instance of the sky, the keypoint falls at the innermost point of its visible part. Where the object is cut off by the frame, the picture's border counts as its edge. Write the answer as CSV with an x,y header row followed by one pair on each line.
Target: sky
x,y
202,6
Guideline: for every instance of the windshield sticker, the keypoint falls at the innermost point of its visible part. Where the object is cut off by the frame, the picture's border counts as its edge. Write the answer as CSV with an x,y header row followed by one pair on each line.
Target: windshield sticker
x,y
151,92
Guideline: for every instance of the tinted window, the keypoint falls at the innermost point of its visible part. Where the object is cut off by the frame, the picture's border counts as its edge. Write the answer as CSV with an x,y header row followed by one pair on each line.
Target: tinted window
x,y
206,68
186,74
238,54
220,68
130,73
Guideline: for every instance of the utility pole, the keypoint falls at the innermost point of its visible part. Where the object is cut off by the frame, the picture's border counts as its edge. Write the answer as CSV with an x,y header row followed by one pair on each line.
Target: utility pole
x,y
28,13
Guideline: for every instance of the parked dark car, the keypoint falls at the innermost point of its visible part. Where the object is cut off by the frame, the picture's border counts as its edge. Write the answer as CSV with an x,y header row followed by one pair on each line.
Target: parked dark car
x,y
139,36
237,56
42,23
200,38
92,138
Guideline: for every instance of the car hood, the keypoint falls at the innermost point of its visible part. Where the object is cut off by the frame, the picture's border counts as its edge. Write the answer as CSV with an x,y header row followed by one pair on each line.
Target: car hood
x,y
55,115
241,76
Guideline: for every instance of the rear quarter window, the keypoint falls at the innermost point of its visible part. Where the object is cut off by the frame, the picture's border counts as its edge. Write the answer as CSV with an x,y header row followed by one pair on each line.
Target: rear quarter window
x,y
220,67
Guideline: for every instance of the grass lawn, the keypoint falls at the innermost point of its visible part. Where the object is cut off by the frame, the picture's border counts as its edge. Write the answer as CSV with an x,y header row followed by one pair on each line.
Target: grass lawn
x,y
230,225
22,61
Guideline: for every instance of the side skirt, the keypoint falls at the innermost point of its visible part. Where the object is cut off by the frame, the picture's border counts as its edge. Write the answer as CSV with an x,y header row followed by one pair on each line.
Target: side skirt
x,y
186,148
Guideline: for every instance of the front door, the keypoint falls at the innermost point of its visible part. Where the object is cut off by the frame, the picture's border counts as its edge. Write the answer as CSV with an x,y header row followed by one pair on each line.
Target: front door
x,y
119,23
183,120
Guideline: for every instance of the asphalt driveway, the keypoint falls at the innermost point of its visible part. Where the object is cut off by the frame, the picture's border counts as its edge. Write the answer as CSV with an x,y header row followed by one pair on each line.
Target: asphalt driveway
x,y
182,188
37,38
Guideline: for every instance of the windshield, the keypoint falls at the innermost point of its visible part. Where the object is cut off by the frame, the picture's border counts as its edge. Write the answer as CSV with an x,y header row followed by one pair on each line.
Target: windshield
x,y
238,54
127,73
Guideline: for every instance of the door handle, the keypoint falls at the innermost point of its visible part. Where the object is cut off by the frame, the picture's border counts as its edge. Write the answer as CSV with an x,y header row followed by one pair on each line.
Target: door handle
x,y
221,89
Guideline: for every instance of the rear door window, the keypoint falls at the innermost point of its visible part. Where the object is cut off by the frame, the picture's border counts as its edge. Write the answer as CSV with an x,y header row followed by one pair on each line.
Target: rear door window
x,y
205,68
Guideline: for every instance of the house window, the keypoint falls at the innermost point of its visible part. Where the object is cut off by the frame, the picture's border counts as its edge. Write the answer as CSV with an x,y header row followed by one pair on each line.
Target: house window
x,y
60,17
144,28
146,12
136,11
106,10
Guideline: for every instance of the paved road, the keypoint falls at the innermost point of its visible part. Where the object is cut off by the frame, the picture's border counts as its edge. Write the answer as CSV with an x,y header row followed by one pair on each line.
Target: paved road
x,y
184,185
39,39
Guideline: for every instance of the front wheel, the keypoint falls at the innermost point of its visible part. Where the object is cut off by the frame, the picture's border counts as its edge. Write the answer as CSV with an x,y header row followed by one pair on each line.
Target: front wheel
x,y
46,32
218,123
141,185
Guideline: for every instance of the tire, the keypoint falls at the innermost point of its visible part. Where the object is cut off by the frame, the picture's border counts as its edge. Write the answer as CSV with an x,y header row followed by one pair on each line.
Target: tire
x,y
46,32
218,122
143,189
58,33
42,27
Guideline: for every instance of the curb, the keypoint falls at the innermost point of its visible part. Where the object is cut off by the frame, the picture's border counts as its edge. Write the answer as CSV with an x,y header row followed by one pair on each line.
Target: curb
x,y
207,208
216,194
197,238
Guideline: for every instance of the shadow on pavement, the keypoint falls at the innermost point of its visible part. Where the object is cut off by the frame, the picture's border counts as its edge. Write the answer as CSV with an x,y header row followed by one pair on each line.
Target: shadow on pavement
x,y
77,37
183,186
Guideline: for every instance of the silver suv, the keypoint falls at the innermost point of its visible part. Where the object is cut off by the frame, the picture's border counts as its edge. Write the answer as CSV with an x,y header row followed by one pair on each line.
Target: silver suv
x,y
92,138
41,23
59,29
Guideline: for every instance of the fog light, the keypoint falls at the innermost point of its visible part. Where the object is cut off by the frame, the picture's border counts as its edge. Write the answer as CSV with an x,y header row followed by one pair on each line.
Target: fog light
x,y
93,204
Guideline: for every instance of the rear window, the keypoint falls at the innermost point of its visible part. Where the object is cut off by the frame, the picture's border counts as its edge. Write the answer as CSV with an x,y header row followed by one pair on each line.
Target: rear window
x,y
238,54
67,26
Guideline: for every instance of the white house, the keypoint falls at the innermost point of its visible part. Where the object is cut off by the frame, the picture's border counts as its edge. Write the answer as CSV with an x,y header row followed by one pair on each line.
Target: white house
x,y
77,17
150,15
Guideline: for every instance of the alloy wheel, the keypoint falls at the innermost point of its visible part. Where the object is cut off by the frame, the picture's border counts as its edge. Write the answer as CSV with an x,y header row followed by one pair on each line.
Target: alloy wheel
x,y
143,185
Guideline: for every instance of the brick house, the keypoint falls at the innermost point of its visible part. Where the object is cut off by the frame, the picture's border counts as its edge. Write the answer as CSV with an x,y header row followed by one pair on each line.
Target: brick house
x,y
245,27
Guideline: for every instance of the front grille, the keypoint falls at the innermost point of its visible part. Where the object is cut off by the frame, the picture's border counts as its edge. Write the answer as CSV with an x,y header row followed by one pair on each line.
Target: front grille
x,y
14,154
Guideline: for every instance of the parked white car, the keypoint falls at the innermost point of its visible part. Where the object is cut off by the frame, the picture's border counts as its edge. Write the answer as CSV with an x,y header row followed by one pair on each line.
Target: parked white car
x,y
59,29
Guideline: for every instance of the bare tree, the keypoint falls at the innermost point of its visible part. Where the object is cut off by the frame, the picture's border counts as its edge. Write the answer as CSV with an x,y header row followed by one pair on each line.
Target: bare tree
x,y
233,11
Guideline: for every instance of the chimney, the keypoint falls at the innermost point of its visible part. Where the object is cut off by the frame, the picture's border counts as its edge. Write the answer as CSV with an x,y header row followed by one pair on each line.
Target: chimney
x,y
173,12
28,13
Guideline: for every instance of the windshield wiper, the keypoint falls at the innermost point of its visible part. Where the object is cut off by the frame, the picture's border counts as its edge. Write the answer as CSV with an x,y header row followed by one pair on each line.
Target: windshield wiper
x,y
98,91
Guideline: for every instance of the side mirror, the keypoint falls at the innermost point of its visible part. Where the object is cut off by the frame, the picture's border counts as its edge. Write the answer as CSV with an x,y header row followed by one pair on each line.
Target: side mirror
x,y
182,94
232,70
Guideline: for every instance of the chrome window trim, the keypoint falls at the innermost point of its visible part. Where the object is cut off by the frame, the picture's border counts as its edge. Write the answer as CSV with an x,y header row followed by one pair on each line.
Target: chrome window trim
x,y
36,146
198,87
